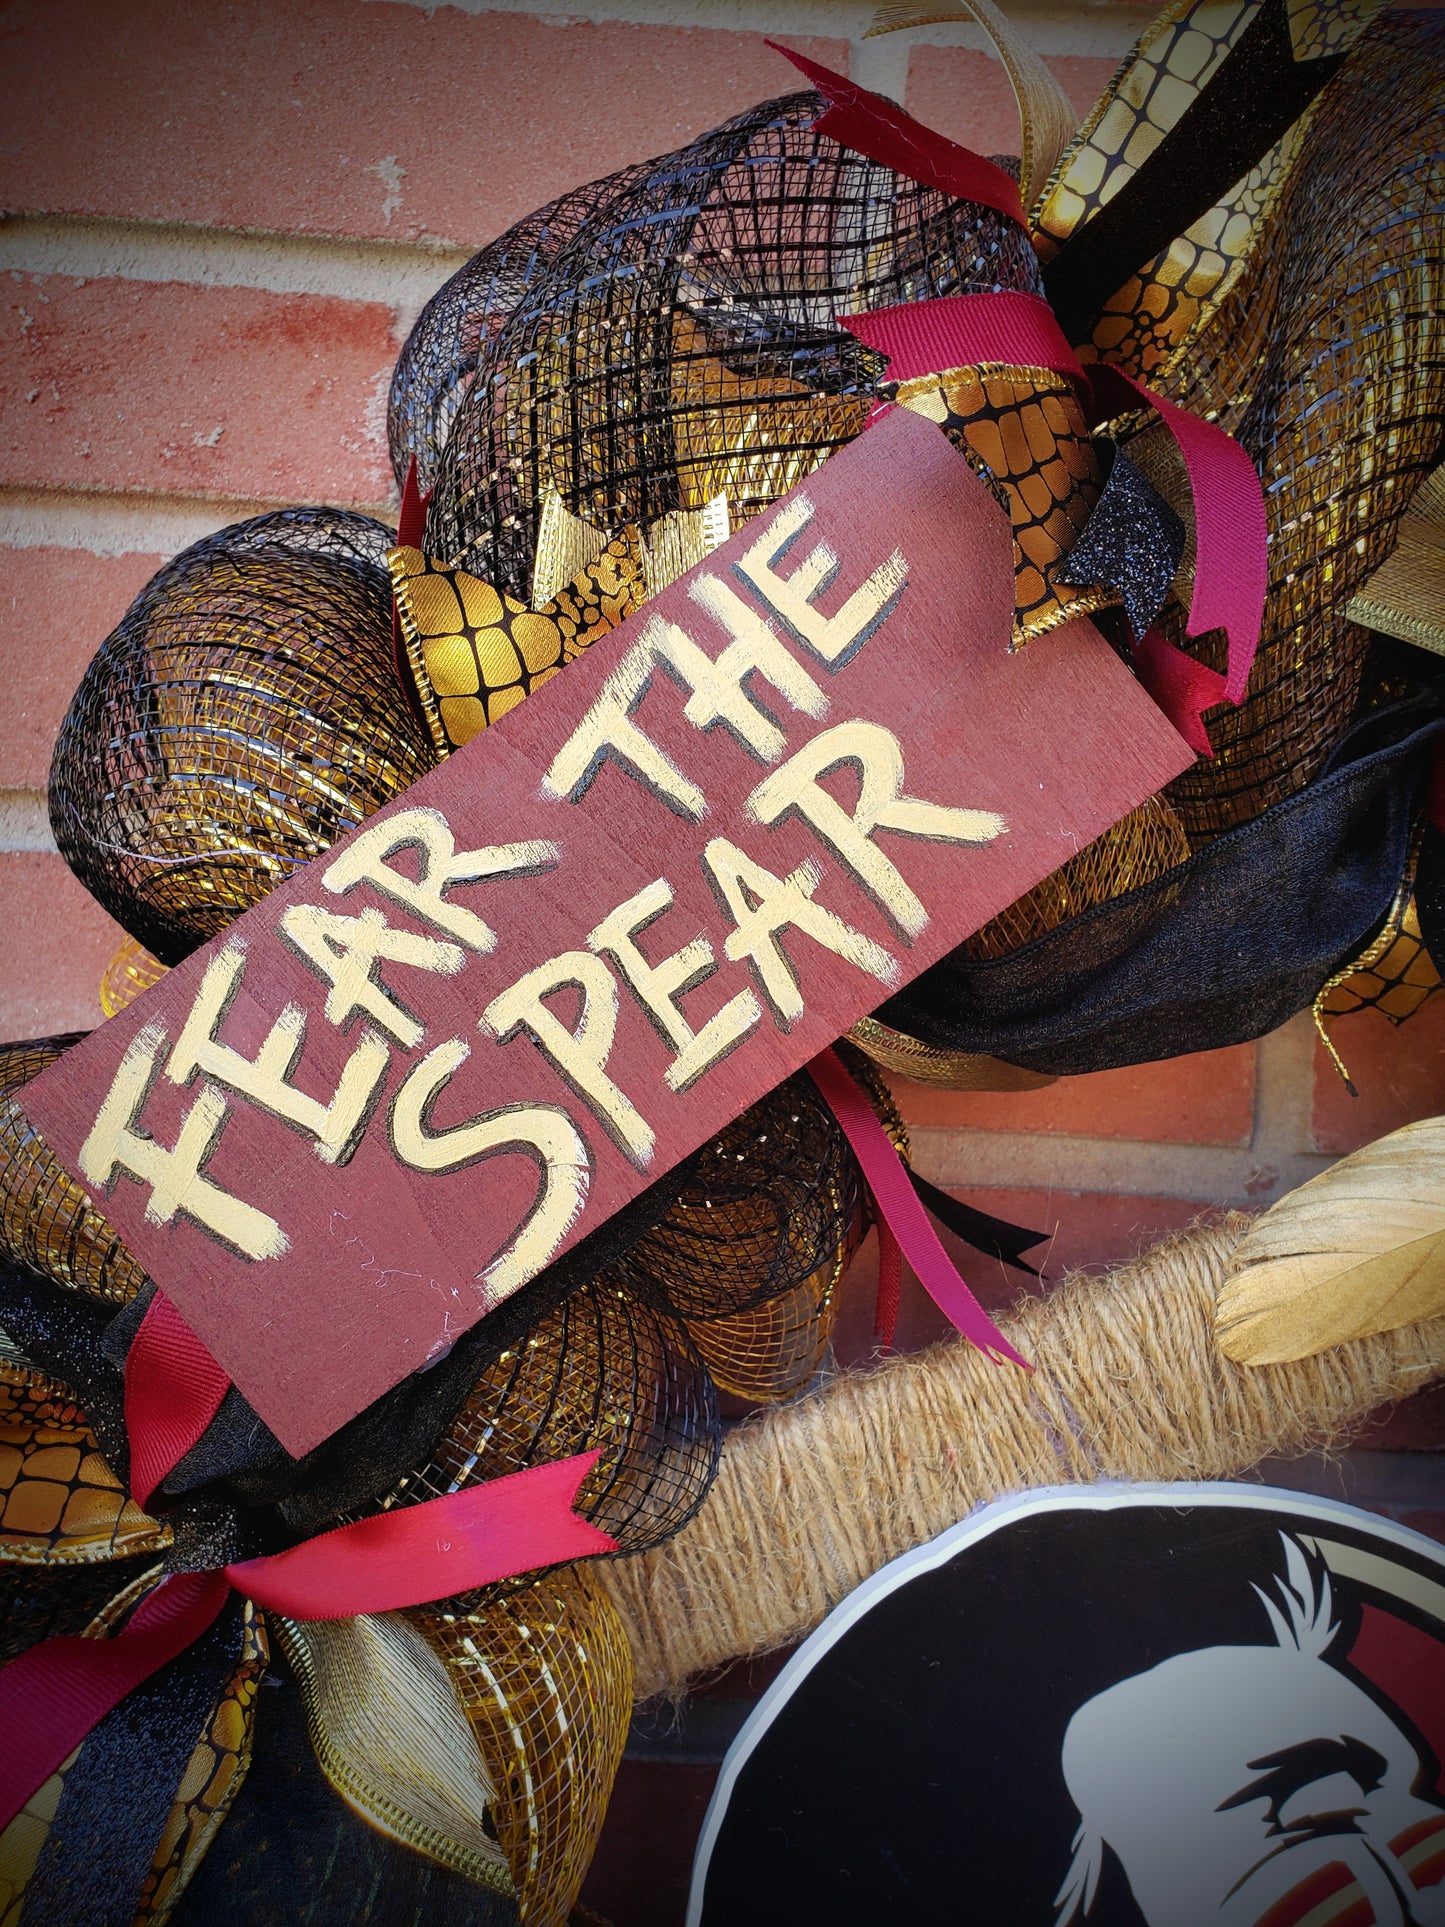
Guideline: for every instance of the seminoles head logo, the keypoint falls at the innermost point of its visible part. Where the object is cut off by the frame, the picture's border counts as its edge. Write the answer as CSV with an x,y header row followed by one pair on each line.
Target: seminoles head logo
x,y
1298,1797
1168,1706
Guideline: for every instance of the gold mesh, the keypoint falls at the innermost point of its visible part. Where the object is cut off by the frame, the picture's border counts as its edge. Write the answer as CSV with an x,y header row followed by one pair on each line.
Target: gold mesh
x,y
765,1205
130,971
1400,980
211,1781
60,1503
391,1739
946,1070
715,419
1023,429
544,1673
244,716
45,1221
1139,848
1327,362
601,1372
776,1350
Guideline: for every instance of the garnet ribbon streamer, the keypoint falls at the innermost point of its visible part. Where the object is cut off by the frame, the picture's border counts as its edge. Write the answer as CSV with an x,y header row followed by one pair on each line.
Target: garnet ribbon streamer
x,y
173,1389
419,1552
1231,538
54,1694
909,1223
875,127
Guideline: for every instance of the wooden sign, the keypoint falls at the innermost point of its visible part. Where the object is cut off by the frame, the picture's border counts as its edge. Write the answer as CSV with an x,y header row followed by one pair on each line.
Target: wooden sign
x,y
386,1097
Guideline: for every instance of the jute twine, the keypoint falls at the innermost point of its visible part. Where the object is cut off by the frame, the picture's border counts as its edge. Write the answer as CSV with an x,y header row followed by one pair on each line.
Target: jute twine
x,y
1128,1383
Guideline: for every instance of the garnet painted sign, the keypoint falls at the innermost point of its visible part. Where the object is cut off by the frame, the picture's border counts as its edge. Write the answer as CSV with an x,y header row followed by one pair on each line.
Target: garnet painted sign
x,y
347,1128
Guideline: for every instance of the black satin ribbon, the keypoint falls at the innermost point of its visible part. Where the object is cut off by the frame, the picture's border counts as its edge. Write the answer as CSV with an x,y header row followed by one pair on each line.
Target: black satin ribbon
x,y
1254,99
996,1237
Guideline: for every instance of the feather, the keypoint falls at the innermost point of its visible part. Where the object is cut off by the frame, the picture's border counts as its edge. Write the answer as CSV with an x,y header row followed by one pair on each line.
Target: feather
x,y
1356,1251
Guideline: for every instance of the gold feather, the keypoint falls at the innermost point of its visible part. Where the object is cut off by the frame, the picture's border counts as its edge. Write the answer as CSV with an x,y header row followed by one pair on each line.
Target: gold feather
x,y
1356,1251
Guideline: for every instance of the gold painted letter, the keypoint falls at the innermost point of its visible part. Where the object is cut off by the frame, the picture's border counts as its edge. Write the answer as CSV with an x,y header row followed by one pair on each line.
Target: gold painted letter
x,y
581,1054
875,753
440,868
837,638
179,1187
542,1132
657,987
763,905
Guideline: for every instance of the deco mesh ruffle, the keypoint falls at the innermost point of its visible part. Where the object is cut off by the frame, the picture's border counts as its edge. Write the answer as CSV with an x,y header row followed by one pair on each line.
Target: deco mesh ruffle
x,y
244,715
1327,362
682,341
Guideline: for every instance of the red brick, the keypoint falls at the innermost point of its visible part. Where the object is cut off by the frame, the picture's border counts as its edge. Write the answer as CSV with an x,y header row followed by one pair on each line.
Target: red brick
x,y
1204,1099
1399,1072
55,941
966,94
209,391
1088,1231
56,608
330,116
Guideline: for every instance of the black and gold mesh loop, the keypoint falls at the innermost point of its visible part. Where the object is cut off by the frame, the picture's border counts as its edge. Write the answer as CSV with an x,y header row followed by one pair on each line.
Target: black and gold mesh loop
x,y
244,715
46,1221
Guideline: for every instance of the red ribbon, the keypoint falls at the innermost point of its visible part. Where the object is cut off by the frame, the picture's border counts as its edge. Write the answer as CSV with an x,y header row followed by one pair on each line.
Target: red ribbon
x,y
52,1695
899,1205
173,1389
883,132
1231,537
410,530
890,1285
1182,687
429,1551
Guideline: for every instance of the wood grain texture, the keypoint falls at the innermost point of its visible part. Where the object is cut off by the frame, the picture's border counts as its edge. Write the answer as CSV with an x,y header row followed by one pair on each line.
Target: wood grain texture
x,y
414,1075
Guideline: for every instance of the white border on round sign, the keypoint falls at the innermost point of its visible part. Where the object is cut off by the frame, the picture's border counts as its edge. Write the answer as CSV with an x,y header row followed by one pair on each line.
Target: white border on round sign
x,y
979,1525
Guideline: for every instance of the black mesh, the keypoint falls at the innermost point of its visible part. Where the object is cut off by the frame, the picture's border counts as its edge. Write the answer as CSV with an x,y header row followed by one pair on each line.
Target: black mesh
x,y
435,369
766,1204
685,341
245,714
1221,949
602,1372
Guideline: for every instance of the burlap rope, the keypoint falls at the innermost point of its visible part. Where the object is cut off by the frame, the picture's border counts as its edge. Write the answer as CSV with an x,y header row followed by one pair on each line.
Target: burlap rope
x,y
1128,1383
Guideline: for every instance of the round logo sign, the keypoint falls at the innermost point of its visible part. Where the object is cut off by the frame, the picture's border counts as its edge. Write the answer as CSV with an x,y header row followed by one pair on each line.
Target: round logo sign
x,y
1145,1706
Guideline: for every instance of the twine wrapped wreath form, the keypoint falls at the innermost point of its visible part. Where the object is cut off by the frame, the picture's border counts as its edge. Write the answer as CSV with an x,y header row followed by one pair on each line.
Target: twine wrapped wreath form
x,y
1129,1382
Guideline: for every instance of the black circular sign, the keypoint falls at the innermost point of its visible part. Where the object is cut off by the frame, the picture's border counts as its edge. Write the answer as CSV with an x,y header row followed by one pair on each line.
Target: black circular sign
x,y
1182,1706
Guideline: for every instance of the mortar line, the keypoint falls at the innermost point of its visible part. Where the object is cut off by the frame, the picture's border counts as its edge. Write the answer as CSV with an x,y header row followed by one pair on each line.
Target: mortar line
x,y
133,522
399,275
1048,1161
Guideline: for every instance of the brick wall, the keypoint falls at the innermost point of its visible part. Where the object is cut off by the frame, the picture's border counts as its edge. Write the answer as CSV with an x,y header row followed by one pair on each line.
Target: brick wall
x,y
224,216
